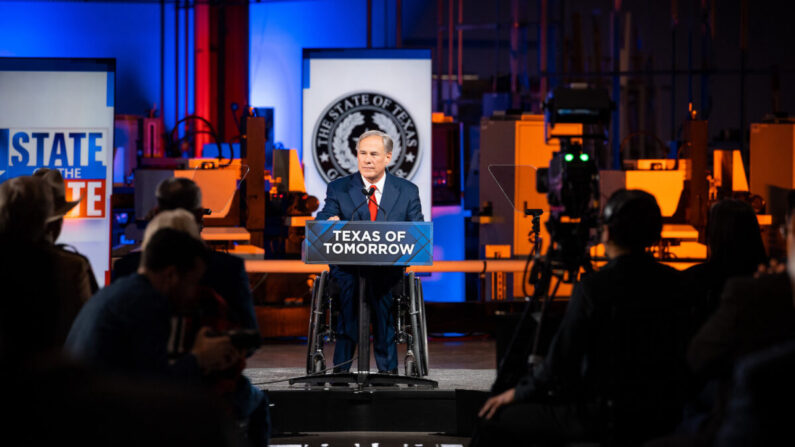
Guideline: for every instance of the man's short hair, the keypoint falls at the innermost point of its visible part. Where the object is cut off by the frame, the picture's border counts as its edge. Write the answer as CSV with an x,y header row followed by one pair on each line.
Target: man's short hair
x,y
386,139
633,219
169,247
178,219
178,192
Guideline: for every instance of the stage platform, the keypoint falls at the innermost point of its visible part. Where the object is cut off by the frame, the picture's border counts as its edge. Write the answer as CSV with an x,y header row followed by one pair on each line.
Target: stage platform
x,y
448,379
369,439
304,414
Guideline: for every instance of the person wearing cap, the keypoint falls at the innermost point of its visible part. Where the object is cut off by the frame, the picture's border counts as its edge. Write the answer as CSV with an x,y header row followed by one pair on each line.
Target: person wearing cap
x,y
74,276
616,366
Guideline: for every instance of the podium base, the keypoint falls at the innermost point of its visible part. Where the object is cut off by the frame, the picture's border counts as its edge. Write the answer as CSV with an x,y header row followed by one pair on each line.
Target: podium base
x,y
364,379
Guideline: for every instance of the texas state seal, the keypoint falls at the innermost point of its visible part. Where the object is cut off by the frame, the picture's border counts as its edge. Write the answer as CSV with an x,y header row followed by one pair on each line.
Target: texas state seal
x,y
337,129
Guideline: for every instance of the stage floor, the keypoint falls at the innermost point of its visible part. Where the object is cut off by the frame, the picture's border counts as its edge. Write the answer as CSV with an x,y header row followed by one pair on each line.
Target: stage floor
x,y
324,416
456,363
476,352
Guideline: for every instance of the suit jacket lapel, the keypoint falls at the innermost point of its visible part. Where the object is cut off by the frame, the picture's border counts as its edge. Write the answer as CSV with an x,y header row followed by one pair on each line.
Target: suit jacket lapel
x,y
355,191
388,197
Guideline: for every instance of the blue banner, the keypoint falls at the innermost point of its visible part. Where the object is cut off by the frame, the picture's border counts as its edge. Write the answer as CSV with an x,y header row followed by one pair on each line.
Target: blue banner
x,y
368,243
77,153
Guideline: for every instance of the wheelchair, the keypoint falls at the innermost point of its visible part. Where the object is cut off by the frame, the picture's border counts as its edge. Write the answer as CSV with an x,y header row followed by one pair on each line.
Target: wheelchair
x,y
410,325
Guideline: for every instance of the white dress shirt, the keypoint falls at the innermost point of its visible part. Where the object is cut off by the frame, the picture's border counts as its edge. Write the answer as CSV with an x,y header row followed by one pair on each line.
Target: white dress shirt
x,y
379,187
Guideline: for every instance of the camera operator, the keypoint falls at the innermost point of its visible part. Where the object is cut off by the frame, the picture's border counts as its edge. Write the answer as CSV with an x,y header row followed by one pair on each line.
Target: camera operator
x,y
615,367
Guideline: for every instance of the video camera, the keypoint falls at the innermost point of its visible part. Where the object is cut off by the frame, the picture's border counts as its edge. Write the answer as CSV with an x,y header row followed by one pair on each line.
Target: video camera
x,y
571,182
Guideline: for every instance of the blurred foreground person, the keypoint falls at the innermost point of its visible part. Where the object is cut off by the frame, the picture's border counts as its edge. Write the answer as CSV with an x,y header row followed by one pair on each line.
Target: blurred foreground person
x,y
249,404
615,368
63,403
753,314
30,319
74,276
54,401
126,326
758,412
226,274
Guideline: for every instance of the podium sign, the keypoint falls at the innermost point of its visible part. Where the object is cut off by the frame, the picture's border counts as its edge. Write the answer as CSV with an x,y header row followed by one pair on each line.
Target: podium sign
x,y
364,242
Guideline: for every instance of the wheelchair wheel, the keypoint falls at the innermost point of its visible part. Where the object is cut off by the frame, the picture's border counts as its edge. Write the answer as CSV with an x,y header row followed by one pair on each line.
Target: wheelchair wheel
x,y
418,341
314,358
422,334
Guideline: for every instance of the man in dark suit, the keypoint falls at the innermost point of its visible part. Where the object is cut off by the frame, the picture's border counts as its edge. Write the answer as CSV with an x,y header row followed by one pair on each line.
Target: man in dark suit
x,y
390,199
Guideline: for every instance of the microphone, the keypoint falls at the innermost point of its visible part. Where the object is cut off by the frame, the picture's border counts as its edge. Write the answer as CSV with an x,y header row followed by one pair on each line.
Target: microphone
x,y
367,194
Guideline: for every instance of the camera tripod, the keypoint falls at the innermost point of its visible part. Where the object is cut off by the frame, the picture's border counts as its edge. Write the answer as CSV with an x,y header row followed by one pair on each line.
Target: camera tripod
x,y
566,256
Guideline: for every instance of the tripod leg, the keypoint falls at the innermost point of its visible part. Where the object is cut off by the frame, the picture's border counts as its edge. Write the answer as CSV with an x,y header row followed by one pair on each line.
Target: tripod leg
x,y
514,363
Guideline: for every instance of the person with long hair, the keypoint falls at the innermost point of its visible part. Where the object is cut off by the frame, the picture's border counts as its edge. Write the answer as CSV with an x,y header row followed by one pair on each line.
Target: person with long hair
x,y
735,249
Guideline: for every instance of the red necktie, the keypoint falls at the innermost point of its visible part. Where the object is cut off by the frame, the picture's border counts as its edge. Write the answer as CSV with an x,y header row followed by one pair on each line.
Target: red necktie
x,y
372,204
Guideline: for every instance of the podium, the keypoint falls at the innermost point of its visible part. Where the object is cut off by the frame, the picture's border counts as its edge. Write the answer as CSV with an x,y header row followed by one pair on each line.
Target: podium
x,y
367,245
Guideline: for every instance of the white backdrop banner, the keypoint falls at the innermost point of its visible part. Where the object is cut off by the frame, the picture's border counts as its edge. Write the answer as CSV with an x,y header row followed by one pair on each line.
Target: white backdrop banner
x,y
347,92
58,114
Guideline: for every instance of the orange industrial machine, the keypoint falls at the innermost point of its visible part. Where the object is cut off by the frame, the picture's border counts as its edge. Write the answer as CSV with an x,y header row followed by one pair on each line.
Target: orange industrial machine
x,y
772,165
512,148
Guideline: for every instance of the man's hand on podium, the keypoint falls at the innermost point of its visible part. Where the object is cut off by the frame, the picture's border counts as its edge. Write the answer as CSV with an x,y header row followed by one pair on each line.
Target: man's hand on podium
x,y
334,218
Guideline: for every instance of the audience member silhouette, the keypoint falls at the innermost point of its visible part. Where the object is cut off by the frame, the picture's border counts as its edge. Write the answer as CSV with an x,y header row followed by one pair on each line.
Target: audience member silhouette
x,y
758,412
735,248
74,277
753,314
54,401
226,274
30,318
126,327
615,367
